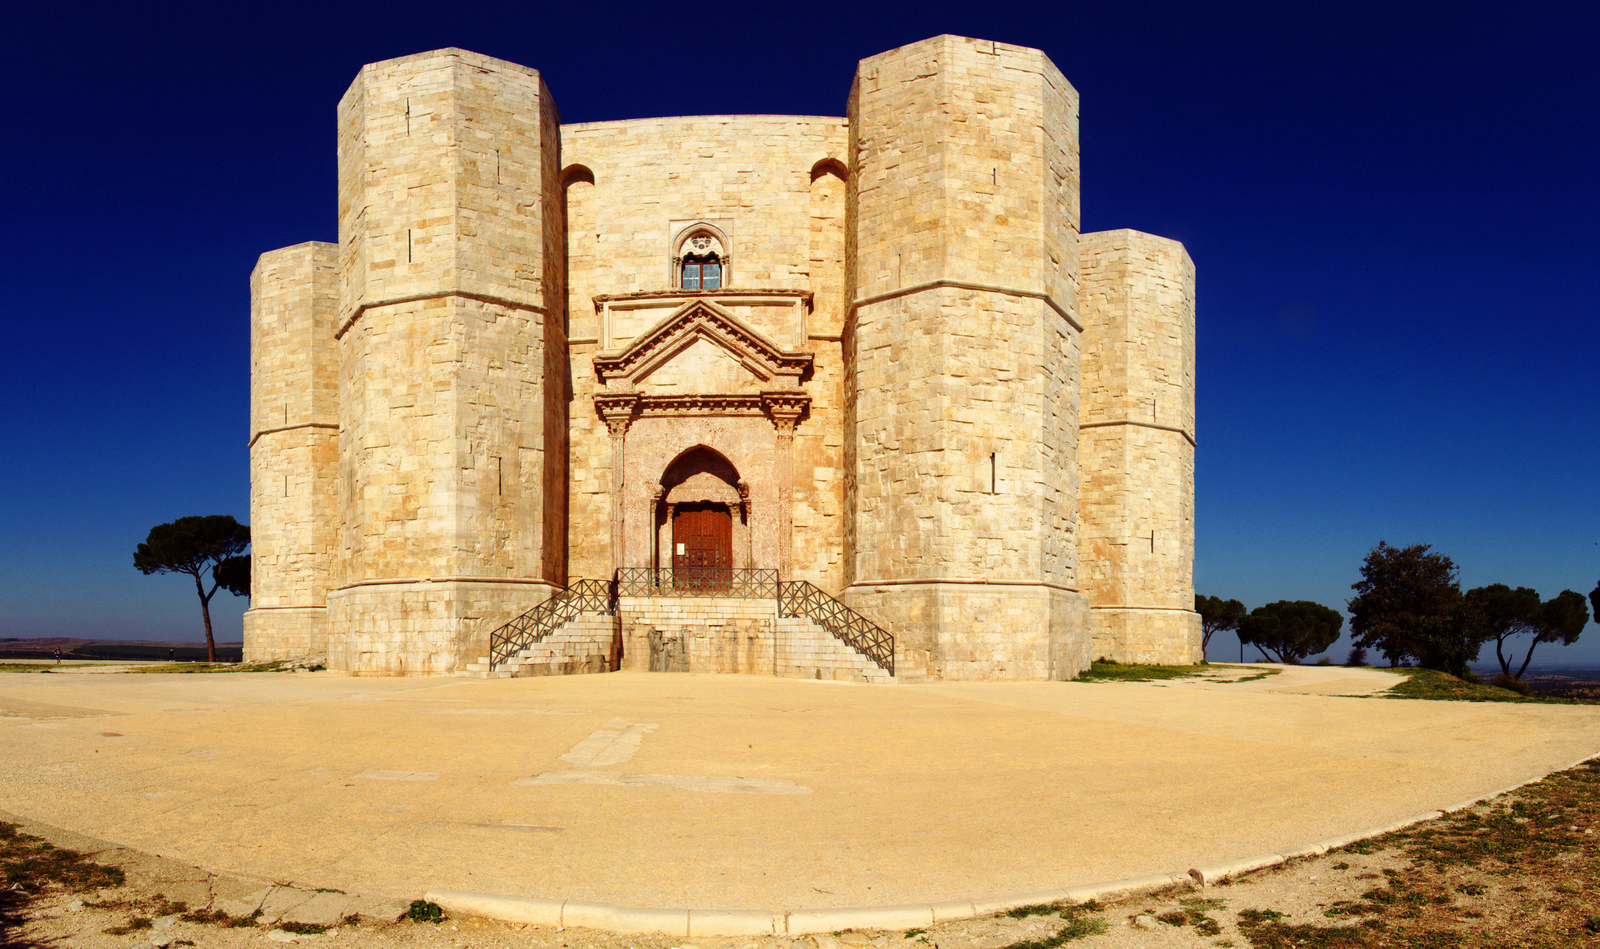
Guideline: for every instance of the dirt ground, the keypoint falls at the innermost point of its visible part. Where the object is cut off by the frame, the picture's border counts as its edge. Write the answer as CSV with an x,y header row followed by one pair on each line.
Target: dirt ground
x,y
1520,870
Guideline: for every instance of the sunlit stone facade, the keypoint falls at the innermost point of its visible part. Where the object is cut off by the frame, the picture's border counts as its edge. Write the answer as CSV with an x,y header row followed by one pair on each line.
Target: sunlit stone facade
x,y
871,352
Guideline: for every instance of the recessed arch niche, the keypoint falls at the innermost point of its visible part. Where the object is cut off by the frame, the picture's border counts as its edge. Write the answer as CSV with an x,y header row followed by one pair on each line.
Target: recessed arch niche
x,y
702,513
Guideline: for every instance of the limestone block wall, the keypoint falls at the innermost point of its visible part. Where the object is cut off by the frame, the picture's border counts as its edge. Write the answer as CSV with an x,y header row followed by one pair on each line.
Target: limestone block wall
x,y
420,627
775,185
962,357
452,353
1137,446
750,175
294,418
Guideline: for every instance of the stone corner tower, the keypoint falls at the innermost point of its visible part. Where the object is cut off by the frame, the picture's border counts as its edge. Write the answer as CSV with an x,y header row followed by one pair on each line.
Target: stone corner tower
x,y
447,340
294,449
1136,444
962,350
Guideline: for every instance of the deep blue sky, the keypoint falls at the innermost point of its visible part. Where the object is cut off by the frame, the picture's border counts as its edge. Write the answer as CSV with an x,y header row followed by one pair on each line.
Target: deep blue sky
x,y
1392,209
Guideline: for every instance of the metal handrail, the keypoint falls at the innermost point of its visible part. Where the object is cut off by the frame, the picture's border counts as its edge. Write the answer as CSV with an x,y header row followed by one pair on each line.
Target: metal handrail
x,y
746,582
801,598
581,596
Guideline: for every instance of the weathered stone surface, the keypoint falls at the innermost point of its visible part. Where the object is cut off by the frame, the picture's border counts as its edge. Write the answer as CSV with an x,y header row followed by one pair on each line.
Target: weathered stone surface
x,y
894,363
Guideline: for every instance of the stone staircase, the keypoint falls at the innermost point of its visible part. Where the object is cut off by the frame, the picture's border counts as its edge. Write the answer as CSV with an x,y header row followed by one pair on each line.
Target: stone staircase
x,y
801,633
583,644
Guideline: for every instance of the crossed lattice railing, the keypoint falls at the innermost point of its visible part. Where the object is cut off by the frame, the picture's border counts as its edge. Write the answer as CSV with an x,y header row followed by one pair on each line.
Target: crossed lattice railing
x,y
752,583
799,598
582,596
795,598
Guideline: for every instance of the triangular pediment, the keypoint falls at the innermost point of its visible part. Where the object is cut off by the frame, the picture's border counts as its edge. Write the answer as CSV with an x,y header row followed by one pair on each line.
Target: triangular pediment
x,y
698,324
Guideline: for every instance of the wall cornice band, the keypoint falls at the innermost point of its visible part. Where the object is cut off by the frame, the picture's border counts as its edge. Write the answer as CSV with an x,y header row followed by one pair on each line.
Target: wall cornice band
x,y
964,285
435,295
964,581
1160,428
289,428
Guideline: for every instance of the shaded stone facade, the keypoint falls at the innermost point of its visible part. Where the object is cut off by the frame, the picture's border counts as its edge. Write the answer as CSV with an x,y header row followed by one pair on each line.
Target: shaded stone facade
x,y
871,352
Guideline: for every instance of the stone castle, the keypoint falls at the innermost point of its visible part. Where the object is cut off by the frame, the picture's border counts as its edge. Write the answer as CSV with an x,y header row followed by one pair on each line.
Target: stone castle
x,y
722,365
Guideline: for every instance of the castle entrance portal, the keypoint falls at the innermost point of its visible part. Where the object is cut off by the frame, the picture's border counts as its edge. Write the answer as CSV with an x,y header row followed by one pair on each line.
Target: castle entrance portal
x,y
702,518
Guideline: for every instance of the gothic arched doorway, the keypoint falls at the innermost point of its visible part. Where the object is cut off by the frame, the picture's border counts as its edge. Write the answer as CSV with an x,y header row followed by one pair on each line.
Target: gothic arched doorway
x,y
702,520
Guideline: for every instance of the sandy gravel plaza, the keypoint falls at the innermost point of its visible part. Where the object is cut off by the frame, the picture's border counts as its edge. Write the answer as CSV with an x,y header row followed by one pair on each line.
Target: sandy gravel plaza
x,y
743,792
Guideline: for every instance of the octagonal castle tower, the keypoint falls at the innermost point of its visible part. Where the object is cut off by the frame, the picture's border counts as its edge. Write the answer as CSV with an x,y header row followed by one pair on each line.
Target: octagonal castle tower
x,y
869,356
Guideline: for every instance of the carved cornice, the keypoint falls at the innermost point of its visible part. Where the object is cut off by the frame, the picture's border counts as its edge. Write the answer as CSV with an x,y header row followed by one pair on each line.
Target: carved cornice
x,y
721,295
666,406
702,318
785,407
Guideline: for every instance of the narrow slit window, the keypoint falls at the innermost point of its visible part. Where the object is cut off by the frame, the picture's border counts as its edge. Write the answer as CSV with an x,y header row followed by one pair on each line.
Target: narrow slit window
x,y
994,474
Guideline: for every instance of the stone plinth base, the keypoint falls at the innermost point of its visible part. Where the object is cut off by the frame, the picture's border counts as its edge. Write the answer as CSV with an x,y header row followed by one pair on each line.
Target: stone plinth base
x,y
422,627
284,632
981,630
727,634
1162,637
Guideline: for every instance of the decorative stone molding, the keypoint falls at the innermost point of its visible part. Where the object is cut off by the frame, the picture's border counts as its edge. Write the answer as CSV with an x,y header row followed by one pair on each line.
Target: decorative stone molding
x,y
706,487
618,409
704,319
702,239
784,407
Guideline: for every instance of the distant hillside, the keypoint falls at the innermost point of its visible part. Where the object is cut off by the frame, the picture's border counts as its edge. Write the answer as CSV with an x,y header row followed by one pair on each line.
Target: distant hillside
x,y
116,649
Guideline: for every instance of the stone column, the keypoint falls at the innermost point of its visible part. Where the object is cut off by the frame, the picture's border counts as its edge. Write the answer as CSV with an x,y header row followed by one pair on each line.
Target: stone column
x,y
617,410
658,532
785,408
671,558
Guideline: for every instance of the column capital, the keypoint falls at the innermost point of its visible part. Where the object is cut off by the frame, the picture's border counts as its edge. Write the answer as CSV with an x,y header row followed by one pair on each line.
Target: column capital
x,y
618,410
785,407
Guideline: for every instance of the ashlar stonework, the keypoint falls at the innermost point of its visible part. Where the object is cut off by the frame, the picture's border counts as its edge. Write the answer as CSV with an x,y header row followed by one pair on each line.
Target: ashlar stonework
x,y
872,352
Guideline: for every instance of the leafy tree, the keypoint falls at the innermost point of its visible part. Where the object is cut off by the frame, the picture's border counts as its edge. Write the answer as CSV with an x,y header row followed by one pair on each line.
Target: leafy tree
x,y
1594,599
1357,657
1450,642
1290,630
233,575
196,546
1408,605
1216,615
1506,613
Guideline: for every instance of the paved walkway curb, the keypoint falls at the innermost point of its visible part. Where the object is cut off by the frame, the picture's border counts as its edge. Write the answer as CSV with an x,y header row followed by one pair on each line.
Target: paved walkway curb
x,y
691,923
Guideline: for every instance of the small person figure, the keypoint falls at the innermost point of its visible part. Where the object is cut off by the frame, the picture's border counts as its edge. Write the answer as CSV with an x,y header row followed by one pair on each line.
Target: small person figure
x,y
170,654
58,655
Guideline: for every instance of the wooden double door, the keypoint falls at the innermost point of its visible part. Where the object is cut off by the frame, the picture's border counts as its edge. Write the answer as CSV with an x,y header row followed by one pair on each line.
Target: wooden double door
x,y
702,544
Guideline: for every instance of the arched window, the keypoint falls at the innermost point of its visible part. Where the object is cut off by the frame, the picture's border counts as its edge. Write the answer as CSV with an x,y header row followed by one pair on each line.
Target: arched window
x,y
701,261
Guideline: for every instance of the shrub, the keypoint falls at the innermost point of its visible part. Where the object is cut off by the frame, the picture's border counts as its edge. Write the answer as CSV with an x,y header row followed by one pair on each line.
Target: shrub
x,y
422,911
